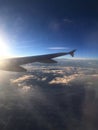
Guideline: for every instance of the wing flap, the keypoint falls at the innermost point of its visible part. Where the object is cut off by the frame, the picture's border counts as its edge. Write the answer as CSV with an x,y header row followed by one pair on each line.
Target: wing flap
x,y
13,68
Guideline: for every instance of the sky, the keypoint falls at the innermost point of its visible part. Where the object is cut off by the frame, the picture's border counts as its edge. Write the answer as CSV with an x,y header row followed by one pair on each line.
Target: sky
x,y
36,27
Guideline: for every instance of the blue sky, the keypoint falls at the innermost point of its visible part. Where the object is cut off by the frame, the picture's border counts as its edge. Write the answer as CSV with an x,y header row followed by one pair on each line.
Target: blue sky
x,y
34,27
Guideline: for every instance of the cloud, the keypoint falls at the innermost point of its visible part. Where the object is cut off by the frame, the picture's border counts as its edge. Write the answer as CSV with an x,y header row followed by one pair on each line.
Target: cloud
x,y
62,70
26,88
58,48
63,80
67,20
57,25
59,75
23,78
21,81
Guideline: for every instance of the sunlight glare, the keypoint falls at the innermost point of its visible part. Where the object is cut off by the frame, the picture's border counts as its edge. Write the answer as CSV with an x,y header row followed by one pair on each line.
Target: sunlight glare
x,y
4,49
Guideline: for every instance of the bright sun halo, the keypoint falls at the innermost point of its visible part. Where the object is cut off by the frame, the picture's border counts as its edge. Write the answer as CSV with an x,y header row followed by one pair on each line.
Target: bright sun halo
x,y
4,49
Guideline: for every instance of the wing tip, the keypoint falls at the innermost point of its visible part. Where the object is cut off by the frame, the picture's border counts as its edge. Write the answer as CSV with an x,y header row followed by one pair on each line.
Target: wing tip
x,y
72,52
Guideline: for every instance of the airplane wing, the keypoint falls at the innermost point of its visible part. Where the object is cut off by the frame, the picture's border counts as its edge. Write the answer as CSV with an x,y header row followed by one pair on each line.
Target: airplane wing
x,y
48,58
13,64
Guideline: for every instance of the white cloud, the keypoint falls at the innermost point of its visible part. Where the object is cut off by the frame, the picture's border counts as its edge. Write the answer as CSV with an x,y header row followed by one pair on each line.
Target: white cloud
x,y
61,75
63,80
58,48
26,88
23,78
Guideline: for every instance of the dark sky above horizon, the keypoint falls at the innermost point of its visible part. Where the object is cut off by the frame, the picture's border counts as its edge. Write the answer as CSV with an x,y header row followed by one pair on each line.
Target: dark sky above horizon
x,y
33,27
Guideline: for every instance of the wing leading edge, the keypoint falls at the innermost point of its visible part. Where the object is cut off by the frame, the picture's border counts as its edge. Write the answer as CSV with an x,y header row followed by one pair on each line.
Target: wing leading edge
x,y
13,64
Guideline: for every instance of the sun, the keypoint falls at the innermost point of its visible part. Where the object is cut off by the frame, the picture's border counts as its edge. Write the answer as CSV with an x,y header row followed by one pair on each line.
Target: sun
x,y
4,49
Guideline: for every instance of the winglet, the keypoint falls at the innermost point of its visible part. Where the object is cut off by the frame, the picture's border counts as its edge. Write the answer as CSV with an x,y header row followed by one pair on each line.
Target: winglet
x,y
72,53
